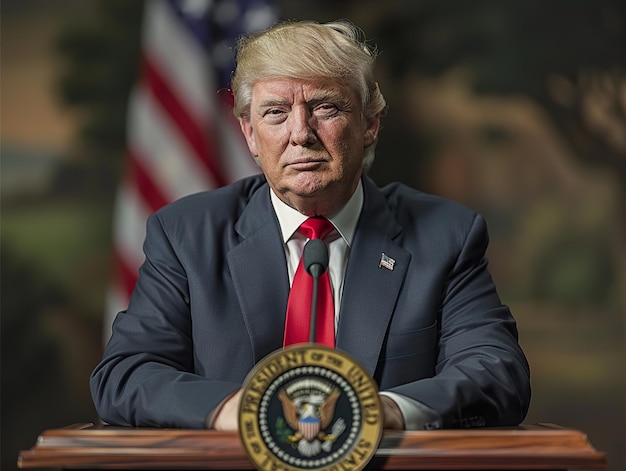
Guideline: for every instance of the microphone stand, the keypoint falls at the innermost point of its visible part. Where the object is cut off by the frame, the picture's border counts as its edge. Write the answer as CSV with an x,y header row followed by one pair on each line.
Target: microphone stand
x,y
316,263
313,326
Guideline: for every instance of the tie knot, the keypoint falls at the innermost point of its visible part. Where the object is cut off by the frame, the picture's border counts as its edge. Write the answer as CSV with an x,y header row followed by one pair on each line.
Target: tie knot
x,y
316,228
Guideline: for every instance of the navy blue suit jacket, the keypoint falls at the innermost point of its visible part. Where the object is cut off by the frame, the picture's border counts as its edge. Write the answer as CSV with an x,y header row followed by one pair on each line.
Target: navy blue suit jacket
x,y
211,299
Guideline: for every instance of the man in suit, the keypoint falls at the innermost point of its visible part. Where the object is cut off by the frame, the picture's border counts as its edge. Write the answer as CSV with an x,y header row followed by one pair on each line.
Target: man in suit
x,y
414,302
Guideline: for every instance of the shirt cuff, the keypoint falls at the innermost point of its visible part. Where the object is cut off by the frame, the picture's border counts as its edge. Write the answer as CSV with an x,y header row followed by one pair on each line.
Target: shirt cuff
x,y
417,416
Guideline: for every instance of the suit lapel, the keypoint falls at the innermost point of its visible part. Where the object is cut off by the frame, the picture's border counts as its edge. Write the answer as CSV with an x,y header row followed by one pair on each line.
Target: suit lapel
x,y
371,290
259,271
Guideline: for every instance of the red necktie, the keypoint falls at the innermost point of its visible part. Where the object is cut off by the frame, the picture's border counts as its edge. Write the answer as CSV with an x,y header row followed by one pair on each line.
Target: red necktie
x,y
297,323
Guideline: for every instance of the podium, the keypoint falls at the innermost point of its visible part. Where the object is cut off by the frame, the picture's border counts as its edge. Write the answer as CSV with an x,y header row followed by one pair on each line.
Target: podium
x,y
527,447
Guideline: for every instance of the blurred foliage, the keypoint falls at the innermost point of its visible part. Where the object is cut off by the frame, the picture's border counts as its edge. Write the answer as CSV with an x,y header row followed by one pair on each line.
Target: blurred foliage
x,y
100,61
38,384
567,55
576,270
75,251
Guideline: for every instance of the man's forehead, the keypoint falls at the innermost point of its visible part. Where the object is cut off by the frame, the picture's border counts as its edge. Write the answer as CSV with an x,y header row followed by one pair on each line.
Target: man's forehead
x,y
288,90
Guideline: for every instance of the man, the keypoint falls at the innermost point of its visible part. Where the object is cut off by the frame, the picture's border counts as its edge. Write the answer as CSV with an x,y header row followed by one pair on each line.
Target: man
x,y
414,302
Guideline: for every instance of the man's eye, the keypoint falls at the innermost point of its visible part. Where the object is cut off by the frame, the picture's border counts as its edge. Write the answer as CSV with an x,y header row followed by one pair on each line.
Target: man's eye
x,y
326,109
274,115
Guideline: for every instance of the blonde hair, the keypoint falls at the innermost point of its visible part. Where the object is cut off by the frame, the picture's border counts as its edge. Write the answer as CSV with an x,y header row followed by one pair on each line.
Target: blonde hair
x,y
309,51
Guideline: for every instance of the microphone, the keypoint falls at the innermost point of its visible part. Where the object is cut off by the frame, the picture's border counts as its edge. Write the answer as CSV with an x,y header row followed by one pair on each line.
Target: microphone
x,y
315,260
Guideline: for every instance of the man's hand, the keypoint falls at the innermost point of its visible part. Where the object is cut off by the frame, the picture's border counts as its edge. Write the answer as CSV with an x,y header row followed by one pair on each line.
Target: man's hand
x,y
227,417
392,417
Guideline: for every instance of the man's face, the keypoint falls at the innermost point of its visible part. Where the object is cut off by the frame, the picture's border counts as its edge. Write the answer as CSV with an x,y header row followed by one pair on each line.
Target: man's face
x,y
309,139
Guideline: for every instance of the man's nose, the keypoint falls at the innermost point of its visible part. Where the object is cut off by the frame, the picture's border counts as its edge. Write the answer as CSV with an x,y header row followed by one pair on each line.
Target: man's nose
x,y
301,129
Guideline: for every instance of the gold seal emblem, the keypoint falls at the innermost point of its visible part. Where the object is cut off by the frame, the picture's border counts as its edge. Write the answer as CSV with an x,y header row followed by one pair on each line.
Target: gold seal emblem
x,y
309,407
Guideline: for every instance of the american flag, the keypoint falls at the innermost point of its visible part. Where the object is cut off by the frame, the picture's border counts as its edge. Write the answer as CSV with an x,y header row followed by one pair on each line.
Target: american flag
x,y
386,261
182,137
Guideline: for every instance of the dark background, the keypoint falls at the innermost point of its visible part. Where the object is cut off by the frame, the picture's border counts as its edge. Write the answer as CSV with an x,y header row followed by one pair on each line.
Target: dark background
x,y
516,108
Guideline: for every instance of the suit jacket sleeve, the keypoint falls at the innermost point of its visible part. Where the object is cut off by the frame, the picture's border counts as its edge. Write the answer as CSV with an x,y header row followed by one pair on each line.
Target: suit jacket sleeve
x,y
431,327
148,374
481,375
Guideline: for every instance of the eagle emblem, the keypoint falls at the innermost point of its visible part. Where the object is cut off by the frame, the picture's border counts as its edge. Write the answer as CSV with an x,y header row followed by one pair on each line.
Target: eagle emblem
x,y
309,412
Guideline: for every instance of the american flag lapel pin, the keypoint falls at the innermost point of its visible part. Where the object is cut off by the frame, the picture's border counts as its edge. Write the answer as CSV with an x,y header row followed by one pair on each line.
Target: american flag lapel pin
x,y
386,262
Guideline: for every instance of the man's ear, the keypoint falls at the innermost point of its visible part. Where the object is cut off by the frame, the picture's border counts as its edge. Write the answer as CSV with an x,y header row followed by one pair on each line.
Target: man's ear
x,y
371,130
248,133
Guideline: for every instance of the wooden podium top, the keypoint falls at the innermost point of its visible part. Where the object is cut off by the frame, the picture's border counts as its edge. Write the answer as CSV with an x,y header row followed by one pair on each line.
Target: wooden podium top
x,y
528,447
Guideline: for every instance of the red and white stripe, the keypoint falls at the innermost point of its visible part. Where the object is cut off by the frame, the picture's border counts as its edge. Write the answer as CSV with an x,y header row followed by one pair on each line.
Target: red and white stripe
x,y
178,132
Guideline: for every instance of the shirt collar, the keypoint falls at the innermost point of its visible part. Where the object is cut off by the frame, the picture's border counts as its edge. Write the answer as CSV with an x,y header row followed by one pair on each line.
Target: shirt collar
x,y
344,220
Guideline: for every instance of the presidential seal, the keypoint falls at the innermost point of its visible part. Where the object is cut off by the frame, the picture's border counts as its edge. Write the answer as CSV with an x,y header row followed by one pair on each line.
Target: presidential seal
x,y
309,407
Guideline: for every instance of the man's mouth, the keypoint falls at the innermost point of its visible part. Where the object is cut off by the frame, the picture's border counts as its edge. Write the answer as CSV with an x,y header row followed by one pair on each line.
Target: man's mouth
x,y
310,163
